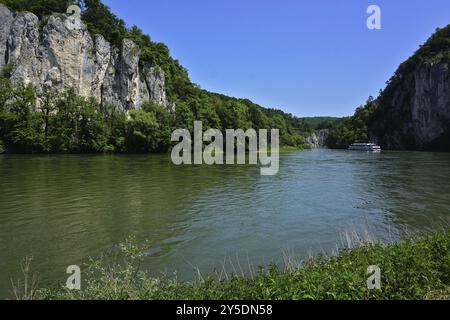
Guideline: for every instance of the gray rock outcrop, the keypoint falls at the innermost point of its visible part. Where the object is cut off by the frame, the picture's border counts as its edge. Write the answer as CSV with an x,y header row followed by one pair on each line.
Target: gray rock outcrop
x,y
413,111
155,79
64,55
6,20
317,139
417,116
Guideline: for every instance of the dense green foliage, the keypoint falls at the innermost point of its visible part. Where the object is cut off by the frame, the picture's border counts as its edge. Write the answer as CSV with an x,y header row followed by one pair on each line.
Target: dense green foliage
x,y
413,269
66,123
435,50
41,8
352,129
142,131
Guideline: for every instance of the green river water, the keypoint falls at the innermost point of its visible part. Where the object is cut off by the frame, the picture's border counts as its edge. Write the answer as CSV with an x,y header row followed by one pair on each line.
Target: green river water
x,y
63,209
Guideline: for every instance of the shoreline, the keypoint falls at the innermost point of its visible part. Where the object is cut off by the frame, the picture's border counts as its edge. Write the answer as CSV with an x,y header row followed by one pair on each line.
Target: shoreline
x,y
412,269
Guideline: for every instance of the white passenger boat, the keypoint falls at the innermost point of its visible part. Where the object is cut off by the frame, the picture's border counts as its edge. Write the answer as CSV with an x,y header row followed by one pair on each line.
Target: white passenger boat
x,y
371,147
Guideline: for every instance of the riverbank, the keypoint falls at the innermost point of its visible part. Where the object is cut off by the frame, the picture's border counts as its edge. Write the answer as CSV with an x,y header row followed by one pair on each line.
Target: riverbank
x,y
418,268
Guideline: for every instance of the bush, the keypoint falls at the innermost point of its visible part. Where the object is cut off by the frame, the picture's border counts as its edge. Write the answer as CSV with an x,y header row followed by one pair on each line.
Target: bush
x,y
352,129
142,132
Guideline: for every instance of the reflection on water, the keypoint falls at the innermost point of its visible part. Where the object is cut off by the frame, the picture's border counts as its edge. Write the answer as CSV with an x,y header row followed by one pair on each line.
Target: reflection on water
x,y
62,209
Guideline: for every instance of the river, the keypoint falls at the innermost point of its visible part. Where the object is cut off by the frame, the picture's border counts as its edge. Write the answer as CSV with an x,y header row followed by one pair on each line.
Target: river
x,y
63,209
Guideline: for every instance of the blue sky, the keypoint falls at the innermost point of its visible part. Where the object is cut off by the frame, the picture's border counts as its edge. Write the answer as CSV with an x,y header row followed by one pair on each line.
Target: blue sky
x,y
305,57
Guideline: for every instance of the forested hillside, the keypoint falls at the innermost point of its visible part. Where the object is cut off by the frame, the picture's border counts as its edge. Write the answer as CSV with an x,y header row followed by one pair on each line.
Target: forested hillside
x,y
413,111
67,123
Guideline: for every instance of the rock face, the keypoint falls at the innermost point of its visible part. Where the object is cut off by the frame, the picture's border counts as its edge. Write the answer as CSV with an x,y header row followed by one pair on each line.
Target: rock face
x,y
413,111
417,115
6,20
317,139
21,49
64,55
124,87
156,80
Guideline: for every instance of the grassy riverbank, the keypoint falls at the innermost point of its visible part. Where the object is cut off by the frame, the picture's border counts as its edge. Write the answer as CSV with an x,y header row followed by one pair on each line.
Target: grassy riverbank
x,y
418,268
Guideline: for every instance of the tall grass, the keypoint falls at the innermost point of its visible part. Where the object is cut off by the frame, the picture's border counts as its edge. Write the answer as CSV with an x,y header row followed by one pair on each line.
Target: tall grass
x,y
26,287
418,268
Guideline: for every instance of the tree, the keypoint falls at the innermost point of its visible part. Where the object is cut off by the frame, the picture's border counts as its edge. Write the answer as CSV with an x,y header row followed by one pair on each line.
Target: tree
x,y
115,123
64,125
204,111
142,129
183,117
353,129
164,120
258,119
40,8
21,126
234,115
47,109
92,135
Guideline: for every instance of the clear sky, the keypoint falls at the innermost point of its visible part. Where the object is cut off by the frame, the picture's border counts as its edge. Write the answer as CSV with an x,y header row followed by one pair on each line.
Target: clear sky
x,y
307,57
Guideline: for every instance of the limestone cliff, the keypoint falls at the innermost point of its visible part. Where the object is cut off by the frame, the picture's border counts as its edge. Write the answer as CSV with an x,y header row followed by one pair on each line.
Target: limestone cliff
x,y
414,109
317,139
60,53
